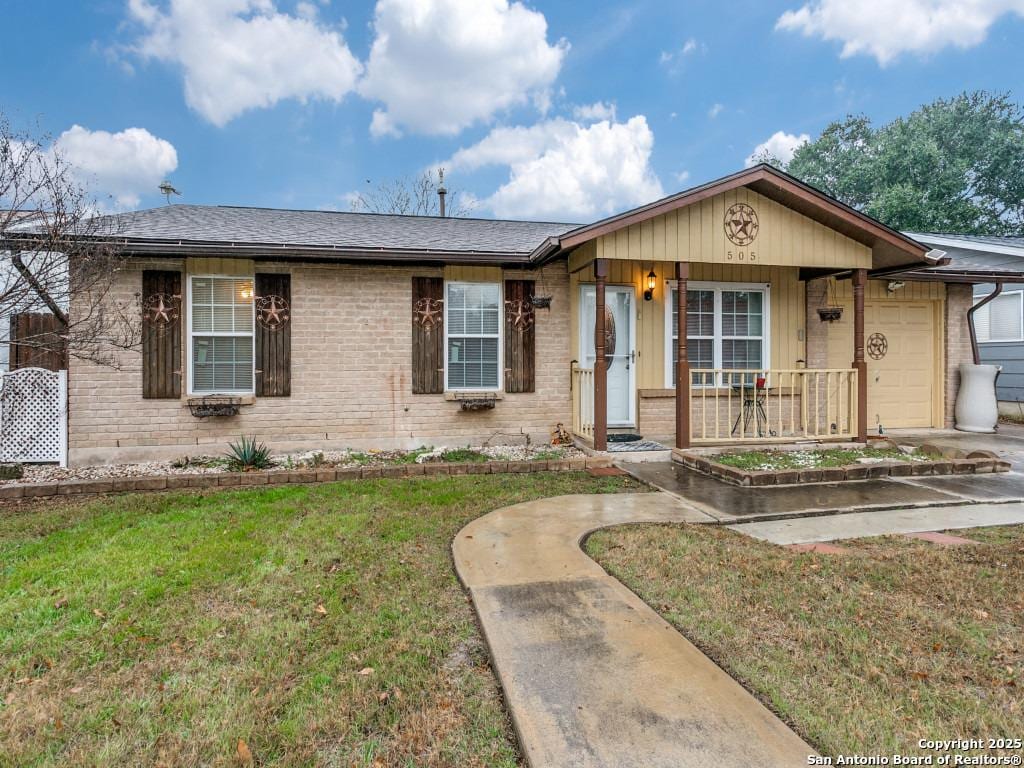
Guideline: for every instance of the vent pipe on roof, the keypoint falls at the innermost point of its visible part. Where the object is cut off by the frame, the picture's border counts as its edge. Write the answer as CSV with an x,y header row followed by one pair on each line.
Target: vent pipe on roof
x,y
441,191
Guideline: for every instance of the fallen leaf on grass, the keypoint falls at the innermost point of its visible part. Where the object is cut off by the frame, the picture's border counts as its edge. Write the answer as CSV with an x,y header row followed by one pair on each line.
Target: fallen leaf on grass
x,y
244,753
98,613
366,671
62,603
320,609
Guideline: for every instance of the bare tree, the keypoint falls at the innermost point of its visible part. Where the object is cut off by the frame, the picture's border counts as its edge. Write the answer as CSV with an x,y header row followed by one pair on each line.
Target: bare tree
x,y
57,254
412,196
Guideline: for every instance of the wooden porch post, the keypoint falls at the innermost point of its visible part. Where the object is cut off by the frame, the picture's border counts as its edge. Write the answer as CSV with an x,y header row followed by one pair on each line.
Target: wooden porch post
x,y
683,366
600,368
860,279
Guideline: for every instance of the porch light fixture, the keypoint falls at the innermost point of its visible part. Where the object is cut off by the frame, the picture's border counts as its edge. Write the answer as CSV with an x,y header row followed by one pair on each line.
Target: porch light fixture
x,y
652,280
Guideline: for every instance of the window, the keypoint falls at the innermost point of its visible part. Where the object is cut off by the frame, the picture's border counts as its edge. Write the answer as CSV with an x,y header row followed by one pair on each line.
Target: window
x,y
726,326
221,335
1001,319
472,336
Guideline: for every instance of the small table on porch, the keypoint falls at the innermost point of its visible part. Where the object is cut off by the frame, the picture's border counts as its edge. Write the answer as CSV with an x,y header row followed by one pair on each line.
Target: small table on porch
x,y
754,395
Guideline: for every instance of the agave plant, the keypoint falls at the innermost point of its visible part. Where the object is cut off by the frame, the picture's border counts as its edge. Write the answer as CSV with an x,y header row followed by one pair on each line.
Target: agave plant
x,y
247,454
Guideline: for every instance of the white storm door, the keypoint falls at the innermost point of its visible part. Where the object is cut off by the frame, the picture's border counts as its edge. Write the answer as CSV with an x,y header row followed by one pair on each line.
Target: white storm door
x,y
620,348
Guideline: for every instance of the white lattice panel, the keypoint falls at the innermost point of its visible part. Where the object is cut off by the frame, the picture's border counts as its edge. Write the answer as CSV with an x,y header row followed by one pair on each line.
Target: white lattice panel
x,y
33,416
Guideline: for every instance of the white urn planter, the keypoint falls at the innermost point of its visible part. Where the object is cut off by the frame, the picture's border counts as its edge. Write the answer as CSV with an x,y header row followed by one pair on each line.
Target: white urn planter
x,y
976,406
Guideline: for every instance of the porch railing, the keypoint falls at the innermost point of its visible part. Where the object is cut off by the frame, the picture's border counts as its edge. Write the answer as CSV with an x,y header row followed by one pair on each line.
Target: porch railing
x,y
743,405
583,403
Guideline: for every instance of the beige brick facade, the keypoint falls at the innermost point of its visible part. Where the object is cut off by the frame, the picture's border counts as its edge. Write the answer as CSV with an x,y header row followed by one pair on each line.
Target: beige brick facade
x,y
959,299
351,375
351,378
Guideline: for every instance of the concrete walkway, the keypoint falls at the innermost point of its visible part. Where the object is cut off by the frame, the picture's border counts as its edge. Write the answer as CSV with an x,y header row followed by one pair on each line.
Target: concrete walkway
x,y
592,675
860,524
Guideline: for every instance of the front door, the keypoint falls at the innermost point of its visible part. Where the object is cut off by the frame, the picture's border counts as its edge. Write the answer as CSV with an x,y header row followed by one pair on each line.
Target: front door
x,y
620,348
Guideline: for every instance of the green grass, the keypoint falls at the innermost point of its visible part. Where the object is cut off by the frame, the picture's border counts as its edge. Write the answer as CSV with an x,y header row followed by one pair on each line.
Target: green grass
x,y
162,629
864,653
464,455
812,459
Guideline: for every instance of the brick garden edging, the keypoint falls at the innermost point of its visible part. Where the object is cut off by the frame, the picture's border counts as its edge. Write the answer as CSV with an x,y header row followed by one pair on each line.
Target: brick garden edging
x,y
286,476
973,464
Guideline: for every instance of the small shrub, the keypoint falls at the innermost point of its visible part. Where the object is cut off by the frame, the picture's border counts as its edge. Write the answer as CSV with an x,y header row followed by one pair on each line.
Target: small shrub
x,y
247,455
462,455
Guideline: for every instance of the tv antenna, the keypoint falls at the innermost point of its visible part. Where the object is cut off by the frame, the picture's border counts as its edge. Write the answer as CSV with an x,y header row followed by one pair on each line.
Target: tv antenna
x,y
167,189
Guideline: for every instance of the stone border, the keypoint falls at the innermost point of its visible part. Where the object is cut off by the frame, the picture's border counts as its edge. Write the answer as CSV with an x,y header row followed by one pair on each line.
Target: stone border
x,y
13,492
979,462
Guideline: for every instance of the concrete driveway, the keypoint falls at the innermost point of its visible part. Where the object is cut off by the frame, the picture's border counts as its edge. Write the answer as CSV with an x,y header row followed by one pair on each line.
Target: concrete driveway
x,y
592,675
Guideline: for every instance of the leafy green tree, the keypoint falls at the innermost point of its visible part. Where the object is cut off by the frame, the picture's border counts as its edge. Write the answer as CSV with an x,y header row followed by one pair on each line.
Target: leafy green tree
x,y
954,165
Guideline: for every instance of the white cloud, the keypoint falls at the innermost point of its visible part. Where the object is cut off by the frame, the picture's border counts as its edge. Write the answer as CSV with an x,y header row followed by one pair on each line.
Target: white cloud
x,y
238,55
560,169
439,66
716,110
123,165
681,177
599,110
780,144
885,29
673,59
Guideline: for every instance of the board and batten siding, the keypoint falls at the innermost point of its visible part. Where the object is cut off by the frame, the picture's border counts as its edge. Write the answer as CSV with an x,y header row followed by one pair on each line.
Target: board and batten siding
x,y
787,309
696,233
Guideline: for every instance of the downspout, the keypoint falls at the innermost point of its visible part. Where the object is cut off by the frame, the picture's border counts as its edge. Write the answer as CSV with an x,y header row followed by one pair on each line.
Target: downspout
x,y
970,321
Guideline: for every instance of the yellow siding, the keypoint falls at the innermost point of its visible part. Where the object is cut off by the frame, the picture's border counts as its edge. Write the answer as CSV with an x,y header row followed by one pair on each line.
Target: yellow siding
x,y
877,289
471,274
219,266
696,234
787,310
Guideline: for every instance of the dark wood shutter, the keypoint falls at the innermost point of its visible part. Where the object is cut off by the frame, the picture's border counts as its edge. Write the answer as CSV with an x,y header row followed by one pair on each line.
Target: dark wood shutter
x,y
520,336
427,335
42,337
274,335
161,334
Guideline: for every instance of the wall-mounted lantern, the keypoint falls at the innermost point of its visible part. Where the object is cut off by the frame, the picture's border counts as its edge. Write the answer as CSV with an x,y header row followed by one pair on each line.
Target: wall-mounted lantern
x,y
652,280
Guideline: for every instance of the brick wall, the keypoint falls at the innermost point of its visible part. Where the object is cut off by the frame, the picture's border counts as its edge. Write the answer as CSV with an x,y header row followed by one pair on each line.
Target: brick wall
x,y
959,299
351,379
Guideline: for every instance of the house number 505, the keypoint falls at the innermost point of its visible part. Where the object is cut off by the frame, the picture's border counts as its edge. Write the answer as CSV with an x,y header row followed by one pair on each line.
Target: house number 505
x,y
741,255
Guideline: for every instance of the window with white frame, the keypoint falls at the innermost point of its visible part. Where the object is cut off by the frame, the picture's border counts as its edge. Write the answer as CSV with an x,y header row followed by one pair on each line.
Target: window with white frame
x,y
1002,319
221,329
472,336
726,327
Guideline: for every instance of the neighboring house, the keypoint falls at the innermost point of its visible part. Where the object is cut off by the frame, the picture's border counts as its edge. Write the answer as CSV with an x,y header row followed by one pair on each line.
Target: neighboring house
x,y
314,329
1000,323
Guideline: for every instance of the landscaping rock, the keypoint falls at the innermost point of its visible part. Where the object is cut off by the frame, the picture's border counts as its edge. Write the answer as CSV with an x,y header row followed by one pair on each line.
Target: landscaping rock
x,y
982,455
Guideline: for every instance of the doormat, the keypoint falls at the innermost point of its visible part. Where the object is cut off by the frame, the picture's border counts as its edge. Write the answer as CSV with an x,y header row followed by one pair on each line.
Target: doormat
x,y
619,437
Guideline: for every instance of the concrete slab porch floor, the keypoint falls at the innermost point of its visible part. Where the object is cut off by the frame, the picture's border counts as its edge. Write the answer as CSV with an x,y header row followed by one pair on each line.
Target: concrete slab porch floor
x,y
593,677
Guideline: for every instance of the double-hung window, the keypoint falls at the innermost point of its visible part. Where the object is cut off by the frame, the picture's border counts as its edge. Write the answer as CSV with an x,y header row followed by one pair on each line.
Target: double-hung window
x,y
221,329
472,336
726,327
1001,319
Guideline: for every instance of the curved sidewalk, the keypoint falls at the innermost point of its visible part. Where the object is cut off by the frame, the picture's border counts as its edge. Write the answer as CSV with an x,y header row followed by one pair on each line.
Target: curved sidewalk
x,y
592,675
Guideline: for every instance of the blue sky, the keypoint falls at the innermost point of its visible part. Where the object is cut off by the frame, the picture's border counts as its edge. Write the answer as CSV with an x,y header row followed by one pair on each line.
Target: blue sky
x,y
551,110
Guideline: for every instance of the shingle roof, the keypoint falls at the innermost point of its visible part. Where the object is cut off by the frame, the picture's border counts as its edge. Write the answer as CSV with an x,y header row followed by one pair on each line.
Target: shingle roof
x,y
975,260
1014,242
330,229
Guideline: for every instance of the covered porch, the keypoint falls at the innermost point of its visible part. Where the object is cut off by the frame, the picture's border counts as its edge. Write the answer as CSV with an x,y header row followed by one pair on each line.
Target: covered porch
x,y
696,320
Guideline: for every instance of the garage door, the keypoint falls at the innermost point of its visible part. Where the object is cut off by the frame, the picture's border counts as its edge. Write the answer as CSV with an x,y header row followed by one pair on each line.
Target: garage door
x,y
900,336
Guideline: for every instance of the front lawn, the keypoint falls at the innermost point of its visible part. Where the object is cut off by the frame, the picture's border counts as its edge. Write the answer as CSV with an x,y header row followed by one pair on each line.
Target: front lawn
x,y
866,652
297,625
